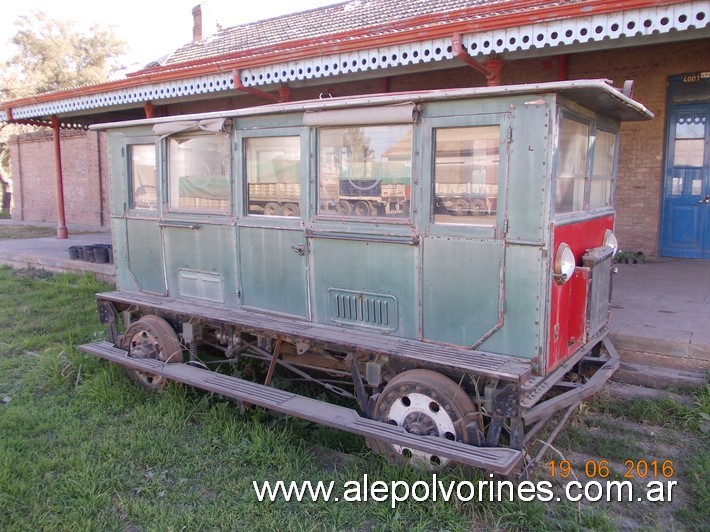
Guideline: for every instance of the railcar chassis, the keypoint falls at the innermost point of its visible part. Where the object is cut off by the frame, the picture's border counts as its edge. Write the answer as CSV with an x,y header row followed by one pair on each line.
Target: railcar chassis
x,y
406,394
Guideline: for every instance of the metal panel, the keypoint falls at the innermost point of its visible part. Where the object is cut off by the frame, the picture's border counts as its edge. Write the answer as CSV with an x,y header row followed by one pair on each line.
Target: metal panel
x,y
144,247
524,275
461,294
530,160
273,270
207,253
385,269
201,285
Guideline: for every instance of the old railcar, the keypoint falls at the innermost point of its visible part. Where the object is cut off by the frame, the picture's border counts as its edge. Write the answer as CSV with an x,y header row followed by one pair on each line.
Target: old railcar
x,y
442,259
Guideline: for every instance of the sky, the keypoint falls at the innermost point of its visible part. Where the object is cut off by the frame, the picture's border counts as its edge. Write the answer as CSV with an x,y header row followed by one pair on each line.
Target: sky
x,y
151,28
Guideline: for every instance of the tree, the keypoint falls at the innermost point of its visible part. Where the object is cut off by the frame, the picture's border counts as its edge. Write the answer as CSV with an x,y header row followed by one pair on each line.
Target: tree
x,y
52,55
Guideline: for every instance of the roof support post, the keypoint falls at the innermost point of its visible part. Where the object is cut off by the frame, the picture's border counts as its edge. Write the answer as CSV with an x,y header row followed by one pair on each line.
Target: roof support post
x,y
62,231
492,68
284,91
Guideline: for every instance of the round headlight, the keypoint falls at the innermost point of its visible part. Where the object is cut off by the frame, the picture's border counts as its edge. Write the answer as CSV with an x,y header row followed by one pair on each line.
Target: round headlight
x,y
564,264
611,241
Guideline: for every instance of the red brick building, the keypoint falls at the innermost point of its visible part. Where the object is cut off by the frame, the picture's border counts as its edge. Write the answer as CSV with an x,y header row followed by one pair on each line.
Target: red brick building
x,y
375,46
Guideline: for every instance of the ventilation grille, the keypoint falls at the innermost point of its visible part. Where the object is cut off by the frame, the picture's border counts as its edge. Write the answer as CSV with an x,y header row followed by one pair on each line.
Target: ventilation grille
x,y
599,261
362,308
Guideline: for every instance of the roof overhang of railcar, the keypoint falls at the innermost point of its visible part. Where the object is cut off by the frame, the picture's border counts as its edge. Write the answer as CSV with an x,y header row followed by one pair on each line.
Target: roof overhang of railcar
x,y
597,95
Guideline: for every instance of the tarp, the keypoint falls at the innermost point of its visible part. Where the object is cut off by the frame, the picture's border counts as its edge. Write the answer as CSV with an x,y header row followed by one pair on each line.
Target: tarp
x,y
214,125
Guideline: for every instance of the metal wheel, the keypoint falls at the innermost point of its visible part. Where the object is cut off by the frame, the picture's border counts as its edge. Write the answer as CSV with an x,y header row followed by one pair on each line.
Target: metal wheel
x,y
344,208
272,209
478,206
151,337
424,402
460,207
362,208
290,209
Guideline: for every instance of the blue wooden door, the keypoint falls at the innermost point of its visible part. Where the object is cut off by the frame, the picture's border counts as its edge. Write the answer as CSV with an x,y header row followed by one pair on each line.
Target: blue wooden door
x,y
686,196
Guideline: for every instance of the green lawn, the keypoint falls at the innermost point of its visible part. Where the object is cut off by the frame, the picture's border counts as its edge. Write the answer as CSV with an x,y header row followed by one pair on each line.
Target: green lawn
x,y
82,448
21,231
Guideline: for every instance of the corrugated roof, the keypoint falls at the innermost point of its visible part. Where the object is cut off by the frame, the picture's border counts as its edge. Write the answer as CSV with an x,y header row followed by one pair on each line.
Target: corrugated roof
x,y
368,17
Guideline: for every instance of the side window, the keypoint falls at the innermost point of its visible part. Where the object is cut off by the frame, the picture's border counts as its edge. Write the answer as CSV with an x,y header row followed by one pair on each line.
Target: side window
x,y
365,171
198,172
273,176
143,180
572,166
466,161
602,170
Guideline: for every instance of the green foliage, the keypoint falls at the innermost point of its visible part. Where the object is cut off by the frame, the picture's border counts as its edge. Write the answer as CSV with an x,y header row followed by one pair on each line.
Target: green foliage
x,y
52,55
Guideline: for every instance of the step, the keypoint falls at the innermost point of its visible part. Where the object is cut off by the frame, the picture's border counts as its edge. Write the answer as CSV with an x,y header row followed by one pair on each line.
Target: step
x,y
496,459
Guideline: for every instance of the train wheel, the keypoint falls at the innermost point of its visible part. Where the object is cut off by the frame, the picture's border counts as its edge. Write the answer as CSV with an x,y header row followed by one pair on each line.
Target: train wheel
x,y
424,402
478,206
460,207
151,337
362,208
272,209
290,209
344,208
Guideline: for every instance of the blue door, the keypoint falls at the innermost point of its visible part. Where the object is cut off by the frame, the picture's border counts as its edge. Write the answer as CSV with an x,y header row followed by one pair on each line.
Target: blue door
x,y
686,195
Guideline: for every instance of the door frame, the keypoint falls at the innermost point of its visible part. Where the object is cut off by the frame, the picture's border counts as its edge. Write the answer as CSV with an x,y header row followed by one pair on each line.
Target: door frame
x,y
678,102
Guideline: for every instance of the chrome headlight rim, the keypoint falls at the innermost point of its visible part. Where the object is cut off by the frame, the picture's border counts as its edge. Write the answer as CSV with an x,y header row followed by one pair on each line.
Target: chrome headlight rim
x,y
611,241
565,263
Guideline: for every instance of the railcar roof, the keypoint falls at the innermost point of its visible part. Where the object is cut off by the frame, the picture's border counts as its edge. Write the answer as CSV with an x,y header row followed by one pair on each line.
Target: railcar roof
x,y
596,94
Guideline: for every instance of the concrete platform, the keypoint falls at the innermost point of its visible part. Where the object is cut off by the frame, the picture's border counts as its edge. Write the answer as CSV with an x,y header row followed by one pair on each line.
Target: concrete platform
x,y
661,312
52,254
660,309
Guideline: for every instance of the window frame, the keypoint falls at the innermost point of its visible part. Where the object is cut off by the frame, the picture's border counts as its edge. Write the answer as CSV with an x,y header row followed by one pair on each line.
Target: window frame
x,y
130,181
240,184
594,123
246,174
325,218
486,232
463,222
201,212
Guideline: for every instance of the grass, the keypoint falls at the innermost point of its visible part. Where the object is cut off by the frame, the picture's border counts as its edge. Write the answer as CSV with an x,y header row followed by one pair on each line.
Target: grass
x,y
12,231
83,448
26,231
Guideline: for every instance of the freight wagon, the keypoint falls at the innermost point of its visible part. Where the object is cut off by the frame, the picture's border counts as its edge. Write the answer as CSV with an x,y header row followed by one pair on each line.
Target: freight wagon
x,y
440,260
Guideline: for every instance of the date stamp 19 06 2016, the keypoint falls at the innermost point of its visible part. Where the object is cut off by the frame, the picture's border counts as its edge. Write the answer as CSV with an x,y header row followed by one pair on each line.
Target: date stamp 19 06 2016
x,y
640,469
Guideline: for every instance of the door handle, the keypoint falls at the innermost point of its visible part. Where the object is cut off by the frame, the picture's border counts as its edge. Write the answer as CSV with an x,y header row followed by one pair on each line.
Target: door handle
x,y
706,199
299,249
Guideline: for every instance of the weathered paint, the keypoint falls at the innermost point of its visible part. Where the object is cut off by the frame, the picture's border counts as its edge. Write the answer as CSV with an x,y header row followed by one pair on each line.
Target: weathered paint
x,y
567,322
487,287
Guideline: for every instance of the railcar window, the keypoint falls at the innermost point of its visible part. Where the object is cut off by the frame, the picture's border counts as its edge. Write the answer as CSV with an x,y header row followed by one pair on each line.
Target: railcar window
x,y
144,190
365,171
602,170
466,175
273,174
198,172
572,166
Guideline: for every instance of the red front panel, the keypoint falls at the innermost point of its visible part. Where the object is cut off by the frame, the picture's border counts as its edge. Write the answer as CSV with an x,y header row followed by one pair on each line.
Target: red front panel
x,y
568,302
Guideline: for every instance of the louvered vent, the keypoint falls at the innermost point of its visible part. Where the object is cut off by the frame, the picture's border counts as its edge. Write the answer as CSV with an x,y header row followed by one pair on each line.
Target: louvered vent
x,y
363,308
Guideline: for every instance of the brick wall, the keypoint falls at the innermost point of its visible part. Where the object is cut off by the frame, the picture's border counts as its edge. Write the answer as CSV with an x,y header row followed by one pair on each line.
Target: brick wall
x,y
84,170
642,143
